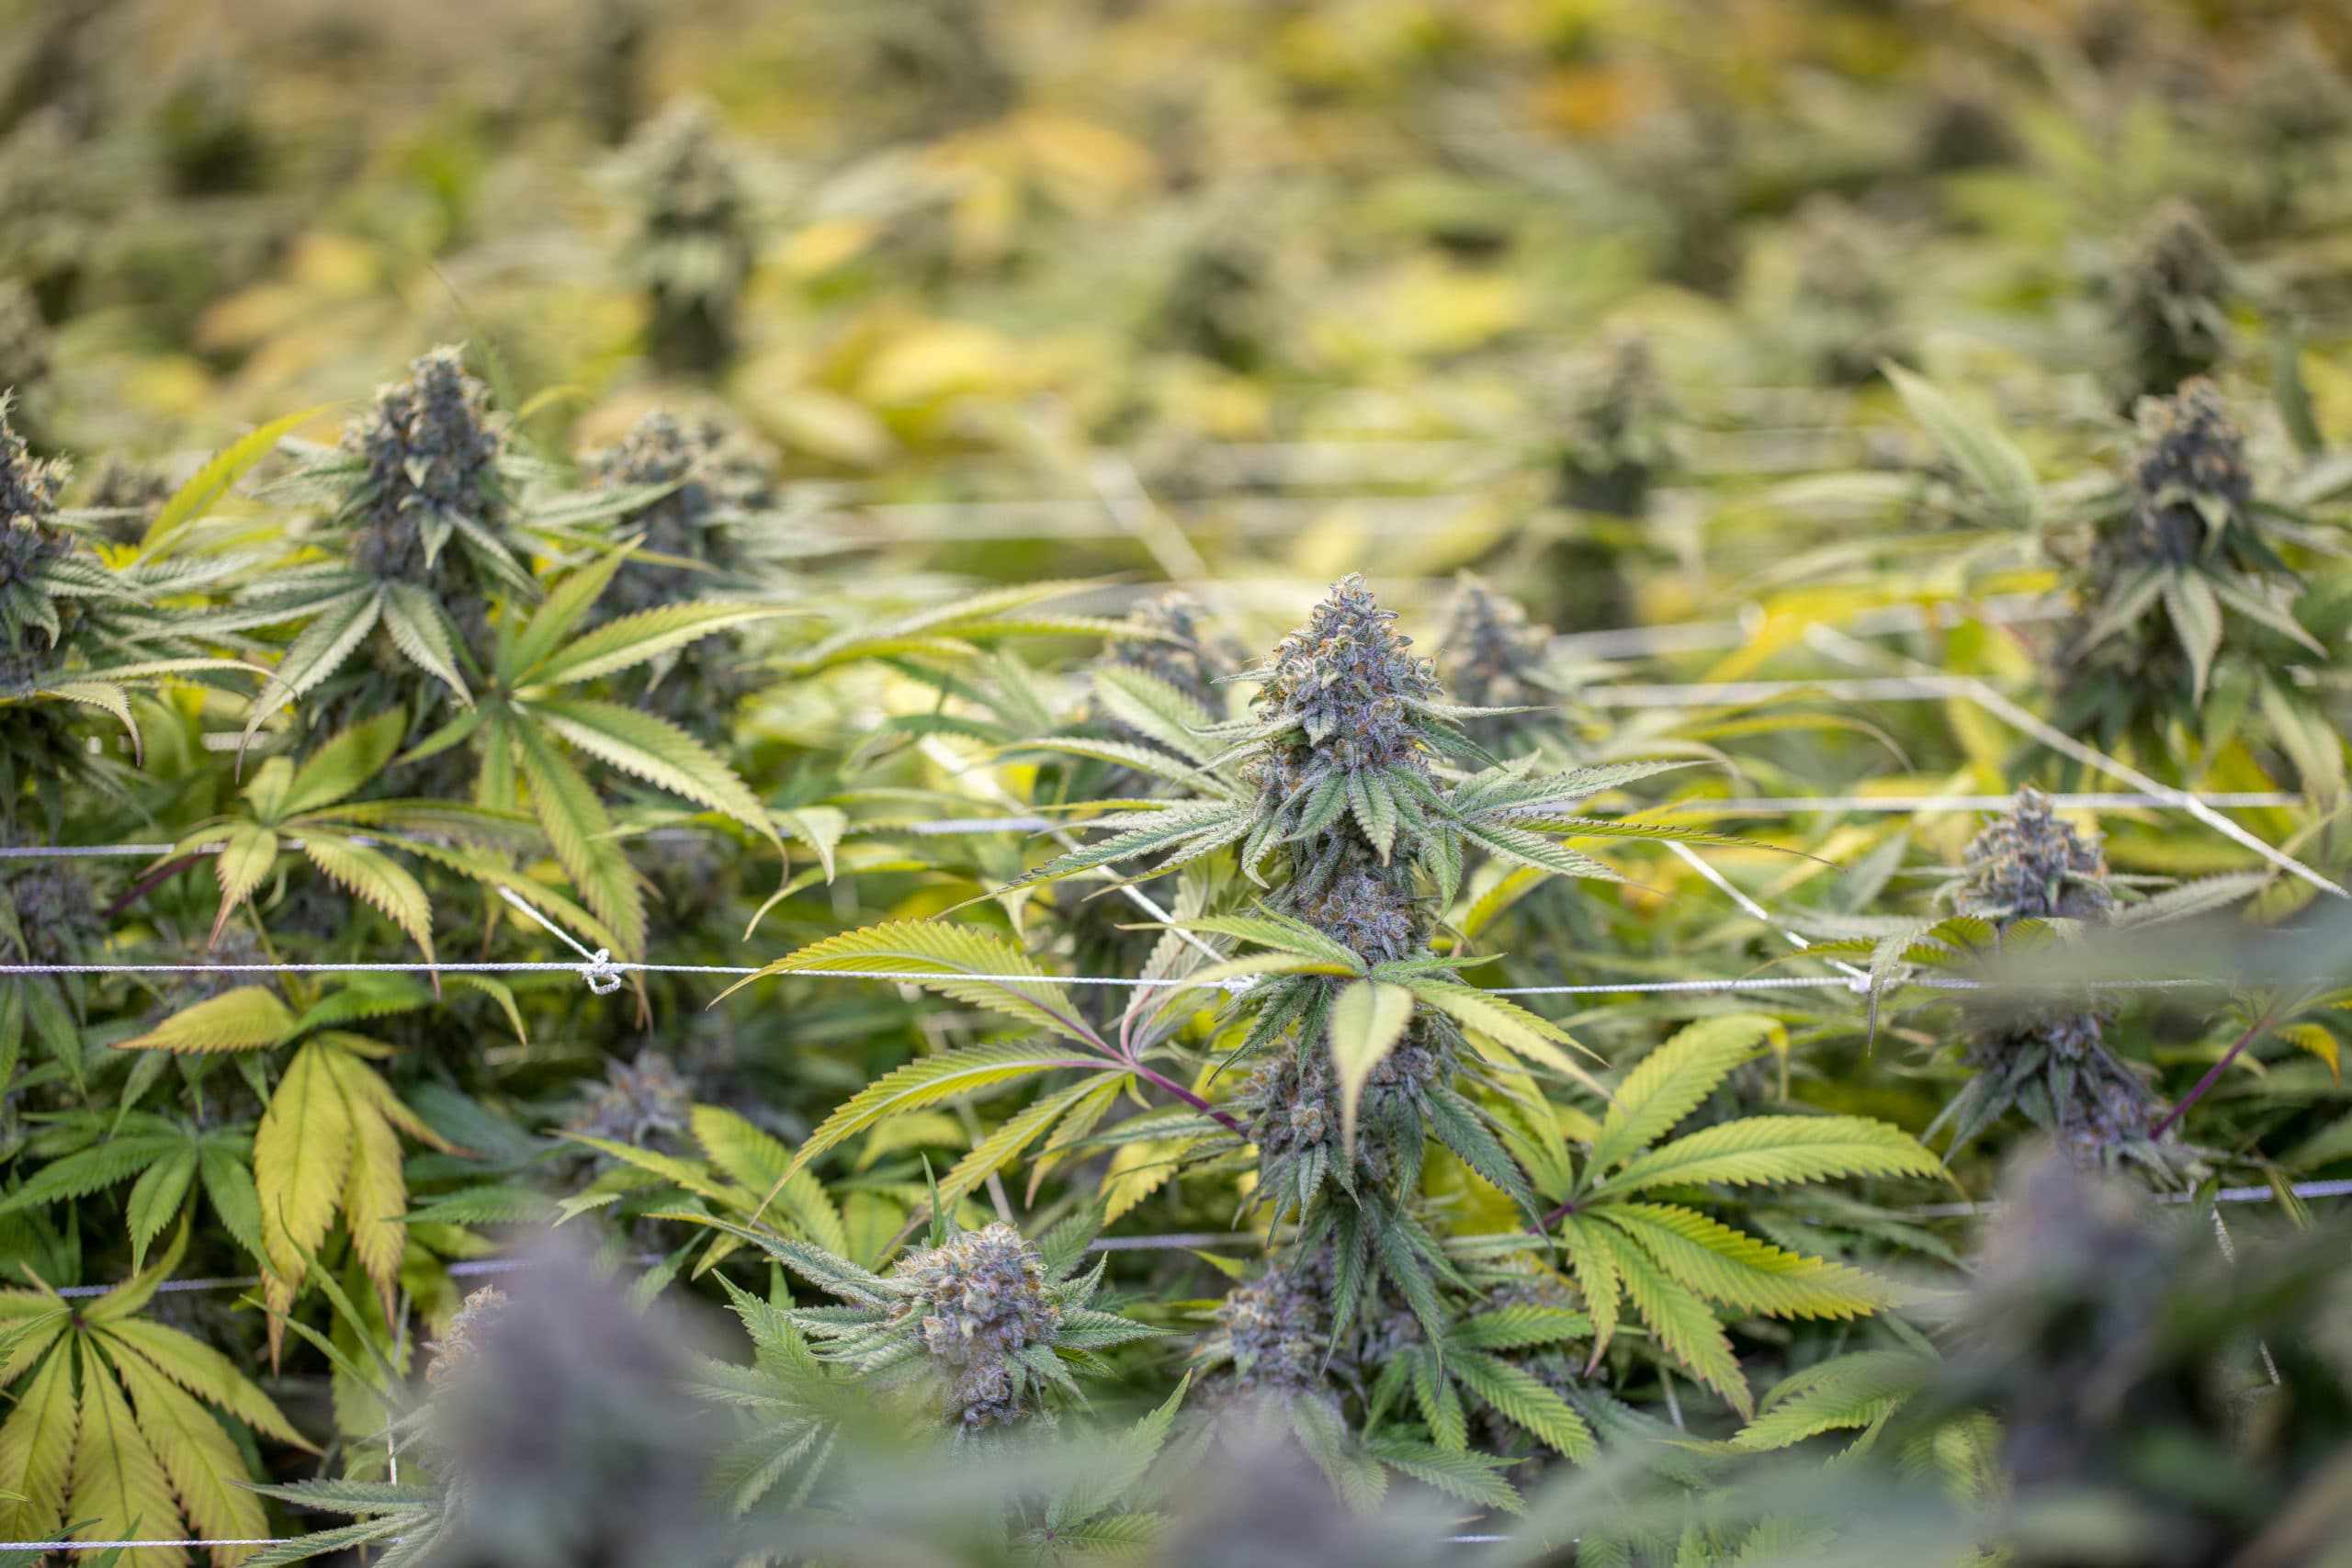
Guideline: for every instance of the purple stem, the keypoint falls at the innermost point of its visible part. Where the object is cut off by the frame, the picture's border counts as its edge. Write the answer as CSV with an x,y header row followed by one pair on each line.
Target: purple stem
x,y
1187,1096
2211,1073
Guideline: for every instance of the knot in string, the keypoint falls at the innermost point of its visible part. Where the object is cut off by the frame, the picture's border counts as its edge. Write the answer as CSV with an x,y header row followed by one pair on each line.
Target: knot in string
x,y
603,978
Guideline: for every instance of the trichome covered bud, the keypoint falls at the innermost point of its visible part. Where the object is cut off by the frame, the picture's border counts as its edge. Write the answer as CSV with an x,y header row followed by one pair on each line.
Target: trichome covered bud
x,y
30,541
978,1300
1272,1334
2049,1057
717,477
2030,864
1348,690
432,466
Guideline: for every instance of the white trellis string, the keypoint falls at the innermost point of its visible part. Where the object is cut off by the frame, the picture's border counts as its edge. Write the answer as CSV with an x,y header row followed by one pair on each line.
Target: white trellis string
x,y
1923,805
1975,689
2340,1186
949,827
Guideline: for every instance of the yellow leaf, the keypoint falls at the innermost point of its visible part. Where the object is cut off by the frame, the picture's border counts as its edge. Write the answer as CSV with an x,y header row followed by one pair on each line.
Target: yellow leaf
x,y
207,1472
302,1155
36,1448
2316,1038
119,1491
1367,1020
245,859
243,1019
374,1195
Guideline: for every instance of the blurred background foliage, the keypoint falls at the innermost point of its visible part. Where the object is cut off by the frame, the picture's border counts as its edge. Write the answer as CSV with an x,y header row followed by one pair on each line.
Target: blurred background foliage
x,y
1749,384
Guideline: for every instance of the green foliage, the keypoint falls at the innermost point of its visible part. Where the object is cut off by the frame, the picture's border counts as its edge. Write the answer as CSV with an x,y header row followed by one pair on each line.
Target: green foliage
x,y
1185,1075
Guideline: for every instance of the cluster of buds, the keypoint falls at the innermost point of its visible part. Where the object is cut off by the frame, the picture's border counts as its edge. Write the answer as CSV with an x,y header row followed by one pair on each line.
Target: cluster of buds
x,y
642,1104
2168,298
1371,915
2030,864
1291,1104
432,457
976,1300
2050,1059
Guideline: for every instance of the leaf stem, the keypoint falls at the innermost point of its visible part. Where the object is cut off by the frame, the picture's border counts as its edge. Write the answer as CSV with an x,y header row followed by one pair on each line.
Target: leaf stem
x,y
2212,1073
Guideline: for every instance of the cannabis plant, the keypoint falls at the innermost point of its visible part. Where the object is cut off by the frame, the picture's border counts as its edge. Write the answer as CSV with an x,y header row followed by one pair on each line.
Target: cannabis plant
x,y
2025,872
691,249
423,527
76,633
988,1324
2187,589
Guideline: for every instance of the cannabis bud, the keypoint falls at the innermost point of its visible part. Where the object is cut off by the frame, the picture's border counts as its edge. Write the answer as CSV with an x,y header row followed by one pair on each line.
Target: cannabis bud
x,y
1185,653
980,1299
2190,478
2028,865
461,1345
2050,1059
30,541
1495,657
693,249
2169,290
983,1314
1371,915
1271,1332
432,466
1292,1103
55,917
1345,690
718,479
641,1104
